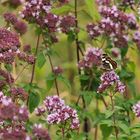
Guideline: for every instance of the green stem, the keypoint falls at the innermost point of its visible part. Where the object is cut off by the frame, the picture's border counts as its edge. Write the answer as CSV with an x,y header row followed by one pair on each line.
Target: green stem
x,y
113,117
34,65
55,81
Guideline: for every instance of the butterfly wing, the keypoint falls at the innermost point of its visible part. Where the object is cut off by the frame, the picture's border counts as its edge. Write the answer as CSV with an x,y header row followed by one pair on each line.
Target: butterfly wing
x,y
108,63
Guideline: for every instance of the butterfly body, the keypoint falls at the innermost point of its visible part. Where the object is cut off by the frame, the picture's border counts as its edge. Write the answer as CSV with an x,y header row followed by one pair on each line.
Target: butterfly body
x,y
108,63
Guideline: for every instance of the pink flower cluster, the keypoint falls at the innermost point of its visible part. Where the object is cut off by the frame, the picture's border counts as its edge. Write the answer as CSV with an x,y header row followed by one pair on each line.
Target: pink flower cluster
x,y
17,92
92,58
57,70
128,2
136,38
58,112
9,110
17,115
109,79
40,133
14,134
18,25
6,79
114,24
67,23
9,48
39,11
136,109
103,2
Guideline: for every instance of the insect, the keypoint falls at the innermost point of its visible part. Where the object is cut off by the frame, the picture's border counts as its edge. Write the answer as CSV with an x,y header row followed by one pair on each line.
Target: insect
x,y
108,63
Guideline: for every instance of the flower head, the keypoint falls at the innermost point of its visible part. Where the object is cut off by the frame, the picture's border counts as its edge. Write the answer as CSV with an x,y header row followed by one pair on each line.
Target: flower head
x,y
92,58
108,79
136,109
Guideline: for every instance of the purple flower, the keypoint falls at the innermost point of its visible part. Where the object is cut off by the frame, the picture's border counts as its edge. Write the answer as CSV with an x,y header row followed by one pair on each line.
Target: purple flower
x,y
64,114
13,134
92,58
20,27
27,48
57,70
40,110
51,21
6,78
93,30
19,93
136,38
53,103
136,109
128,2
40,133
67,23
58,112
120,87
103,2
10,111
10,18
132,23
35,10
108,79
30,59
8,40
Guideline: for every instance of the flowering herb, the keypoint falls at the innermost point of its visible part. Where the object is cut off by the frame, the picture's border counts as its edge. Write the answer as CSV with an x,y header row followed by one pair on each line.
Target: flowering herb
x,y
96,61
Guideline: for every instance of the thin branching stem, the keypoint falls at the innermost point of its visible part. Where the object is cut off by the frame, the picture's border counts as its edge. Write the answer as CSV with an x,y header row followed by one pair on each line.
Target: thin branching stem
x,y
113,117
55,81
34,65
36,51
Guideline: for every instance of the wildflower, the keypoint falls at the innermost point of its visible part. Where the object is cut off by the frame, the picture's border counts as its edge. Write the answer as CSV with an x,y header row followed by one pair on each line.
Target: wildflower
x,y
136,109
53,103
40,133
6,78
58,112
20,27
57,70
67,23
92,58
18,93
27,48
108,79
40,110
10,18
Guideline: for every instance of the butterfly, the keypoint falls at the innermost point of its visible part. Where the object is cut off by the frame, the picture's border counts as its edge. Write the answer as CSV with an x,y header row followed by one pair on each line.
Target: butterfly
x,y
108,63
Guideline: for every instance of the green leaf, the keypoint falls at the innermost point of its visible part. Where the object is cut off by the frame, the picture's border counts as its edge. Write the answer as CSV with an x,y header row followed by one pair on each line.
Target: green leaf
x,y
9,67
127,75
38,31
124,127
124,51
88,96
132,87
34,100
93,12
106,131
62,9
41,60
84,77
136,126
2,78
71,37
50,81
64,80
107,122
108,113
131,66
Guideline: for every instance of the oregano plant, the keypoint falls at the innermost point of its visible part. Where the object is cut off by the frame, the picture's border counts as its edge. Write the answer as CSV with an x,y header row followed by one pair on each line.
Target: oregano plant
x,y
69,69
